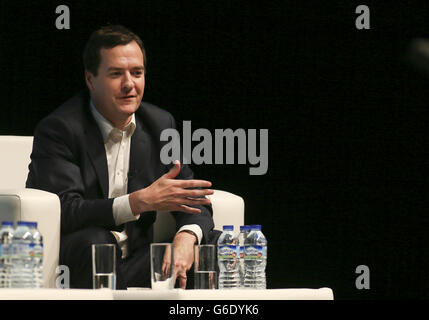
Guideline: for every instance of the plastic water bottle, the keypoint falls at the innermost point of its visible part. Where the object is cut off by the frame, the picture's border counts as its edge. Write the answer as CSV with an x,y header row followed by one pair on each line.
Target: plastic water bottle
x,y
22,262
228,259
255,259
6,235
36,252
244,230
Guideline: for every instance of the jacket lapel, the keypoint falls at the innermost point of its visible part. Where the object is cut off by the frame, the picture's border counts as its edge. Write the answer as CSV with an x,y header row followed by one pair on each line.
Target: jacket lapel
x,y
140,176
140,155
96,151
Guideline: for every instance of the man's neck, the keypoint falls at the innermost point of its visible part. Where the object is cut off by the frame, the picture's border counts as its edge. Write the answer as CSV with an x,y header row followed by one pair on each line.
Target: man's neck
x,y
118,121
122,123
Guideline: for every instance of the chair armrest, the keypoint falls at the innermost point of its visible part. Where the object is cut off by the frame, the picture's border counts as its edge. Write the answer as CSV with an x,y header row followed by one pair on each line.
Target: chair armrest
x,y
228,209
44,208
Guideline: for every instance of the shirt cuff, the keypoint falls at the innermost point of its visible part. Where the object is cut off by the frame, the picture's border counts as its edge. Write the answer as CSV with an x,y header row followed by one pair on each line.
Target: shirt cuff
x,y
121,238
195,228
122,210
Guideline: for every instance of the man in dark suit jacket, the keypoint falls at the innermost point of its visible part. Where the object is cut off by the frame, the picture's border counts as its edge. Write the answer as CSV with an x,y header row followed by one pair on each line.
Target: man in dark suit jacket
x,y
100,153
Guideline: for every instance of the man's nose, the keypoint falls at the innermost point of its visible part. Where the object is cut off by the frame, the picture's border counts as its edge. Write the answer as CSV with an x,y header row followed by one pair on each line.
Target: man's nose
x,y
127,83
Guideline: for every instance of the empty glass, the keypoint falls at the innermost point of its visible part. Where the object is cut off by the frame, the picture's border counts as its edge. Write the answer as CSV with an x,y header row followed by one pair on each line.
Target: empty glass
x,y
162,266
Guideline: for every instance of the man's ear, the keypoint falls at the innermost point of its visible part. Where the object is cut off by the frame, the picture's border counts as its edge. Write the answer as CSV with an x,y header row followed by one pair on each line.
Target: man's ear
x,y
89,80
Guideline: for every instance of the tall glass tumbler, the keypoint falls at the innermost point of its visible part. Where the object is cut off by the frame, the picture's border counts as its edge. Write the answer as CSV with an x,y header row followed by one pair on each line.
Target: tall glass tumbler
x,y
104,266
205,275
162,266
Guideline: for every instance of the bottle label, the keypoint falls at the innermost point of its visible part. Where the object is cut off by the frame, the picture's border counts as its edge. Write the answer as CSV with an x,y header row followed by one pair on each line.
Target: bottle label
x,y
5,250
228,252
254,252
38,250
22,249
31,249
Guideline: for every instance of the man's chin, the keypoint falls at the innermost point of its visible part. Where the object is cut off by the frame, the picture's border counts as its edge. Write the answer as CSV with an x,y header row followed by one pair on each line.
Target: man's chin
x,y
128,107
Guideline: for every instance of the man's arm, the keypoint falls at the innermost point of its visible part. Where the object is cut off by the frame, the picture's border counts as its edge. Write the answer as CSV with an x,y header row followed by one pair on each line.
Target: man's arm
x,y
170,194
55,168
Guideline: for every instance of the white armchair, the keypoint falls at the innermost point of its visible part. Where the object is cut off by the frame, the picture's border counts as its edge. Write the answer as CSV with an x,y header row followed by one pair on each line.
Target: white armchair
x,y
44,207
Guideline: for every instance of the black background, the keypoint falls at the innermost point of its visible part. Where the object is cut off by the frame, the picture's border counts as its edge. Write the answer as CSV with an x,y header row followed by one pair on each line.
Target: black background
x,y
347,118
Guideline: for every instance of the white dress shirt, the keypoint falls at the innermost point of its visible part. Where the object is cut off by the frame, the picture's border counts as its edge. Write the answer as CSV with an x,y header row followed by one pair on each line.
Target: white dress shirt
x,y
117,144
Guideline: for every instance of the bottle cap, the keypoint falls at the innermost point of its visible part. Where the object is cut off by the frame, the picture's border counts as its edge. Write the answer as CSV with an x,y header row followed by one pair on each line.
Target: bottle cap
x,y
22,223
7,223
228,228
244,228
256,227
32,224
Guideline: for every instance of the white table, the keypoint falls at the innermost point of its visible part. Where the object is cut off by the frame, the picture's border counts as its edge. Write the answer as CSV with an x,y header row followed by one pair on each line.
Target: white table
x,y
55,294
175,294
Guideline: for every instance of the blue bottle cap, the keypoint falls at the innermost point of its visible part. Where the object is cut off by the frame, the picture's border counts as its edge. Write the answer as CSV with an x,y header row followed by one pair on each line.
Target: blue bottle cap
x,y
32,224
244,228
7,223
22,223
256,227
228,228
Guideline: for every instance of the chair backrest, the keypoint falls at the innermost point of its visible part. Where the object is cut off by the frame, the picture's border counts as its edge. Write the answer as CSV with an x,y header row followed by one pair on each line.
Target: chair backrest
x,y
16,151
34,205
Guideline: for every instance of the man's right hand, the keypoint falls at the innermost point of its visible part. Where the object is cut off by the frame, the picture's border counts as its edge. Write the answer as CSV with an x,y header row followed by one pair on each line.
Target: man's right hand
x,y
169,194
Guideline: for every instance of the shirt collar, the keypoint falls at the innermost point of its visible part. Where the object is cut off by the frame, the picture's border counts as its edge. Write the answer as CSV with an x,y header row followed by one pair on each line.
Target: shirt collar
x,y
106,127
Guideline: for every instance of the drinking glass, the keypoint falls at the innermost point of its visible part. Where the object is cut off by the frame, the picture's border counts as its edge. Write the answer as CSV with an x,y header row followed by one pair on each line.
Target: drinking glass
x,y
104,266
162,266
205,275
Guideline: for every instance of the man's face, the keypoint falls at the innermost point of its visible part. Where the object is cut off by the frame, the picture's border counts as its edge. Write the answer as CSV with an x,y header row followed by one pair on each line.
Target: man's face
x,y
118,88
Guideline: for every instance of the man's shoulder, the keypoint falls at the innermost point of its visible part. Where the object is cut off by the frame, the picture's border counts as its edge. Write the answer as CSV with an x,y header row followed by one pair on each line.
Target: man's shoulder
x,y
150,113
73,107
70,115
149,109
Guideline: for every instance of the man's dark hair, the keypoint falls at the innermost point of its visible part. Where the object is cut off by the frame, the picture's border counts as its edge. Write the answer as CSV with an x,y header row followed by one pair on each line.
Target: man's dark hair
x,y
107,37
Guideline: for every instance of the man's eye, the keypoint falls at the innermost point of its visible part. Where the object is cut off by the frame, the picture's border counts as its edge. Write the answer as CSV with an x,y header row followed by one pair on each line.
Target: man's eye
x,y
138,73
115,74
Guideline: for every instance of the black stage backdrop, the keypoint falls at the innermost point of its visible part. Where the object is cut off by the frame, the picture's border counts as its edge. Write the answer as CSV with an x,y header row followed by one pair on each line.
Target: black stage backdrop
x,y
347,118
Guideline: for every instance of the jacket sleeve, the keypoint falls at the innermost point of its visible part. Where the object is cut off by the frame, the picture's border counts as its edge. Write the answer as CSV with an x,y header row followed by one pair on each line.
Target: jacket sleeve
x,y
55,168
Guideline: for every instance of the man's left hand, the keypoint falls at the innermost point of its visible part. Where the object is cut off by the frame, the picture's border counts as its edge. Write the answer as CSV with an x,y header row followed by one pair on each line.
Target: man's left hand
x,y
183,255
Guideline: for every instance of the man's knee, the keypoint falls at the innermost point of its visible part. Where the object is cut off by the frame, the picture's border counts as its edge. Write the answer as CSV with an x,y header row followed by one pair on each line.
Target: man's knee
x,y
76,253
213,236
80,242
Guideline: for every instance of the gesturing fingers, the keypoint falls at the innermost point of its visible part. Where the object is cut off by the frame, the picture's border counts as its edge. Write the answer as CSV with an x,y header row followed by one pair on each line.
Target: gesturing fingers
x,y
195,193
166,269
166,263
180,273
174,171
182,279
186,209
192,183
196,201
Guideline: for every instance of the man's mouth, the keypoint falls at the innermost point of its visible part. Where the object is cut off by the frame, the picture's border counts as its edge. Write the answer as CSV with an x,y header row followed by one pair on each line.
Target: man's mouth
x,y
129,97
